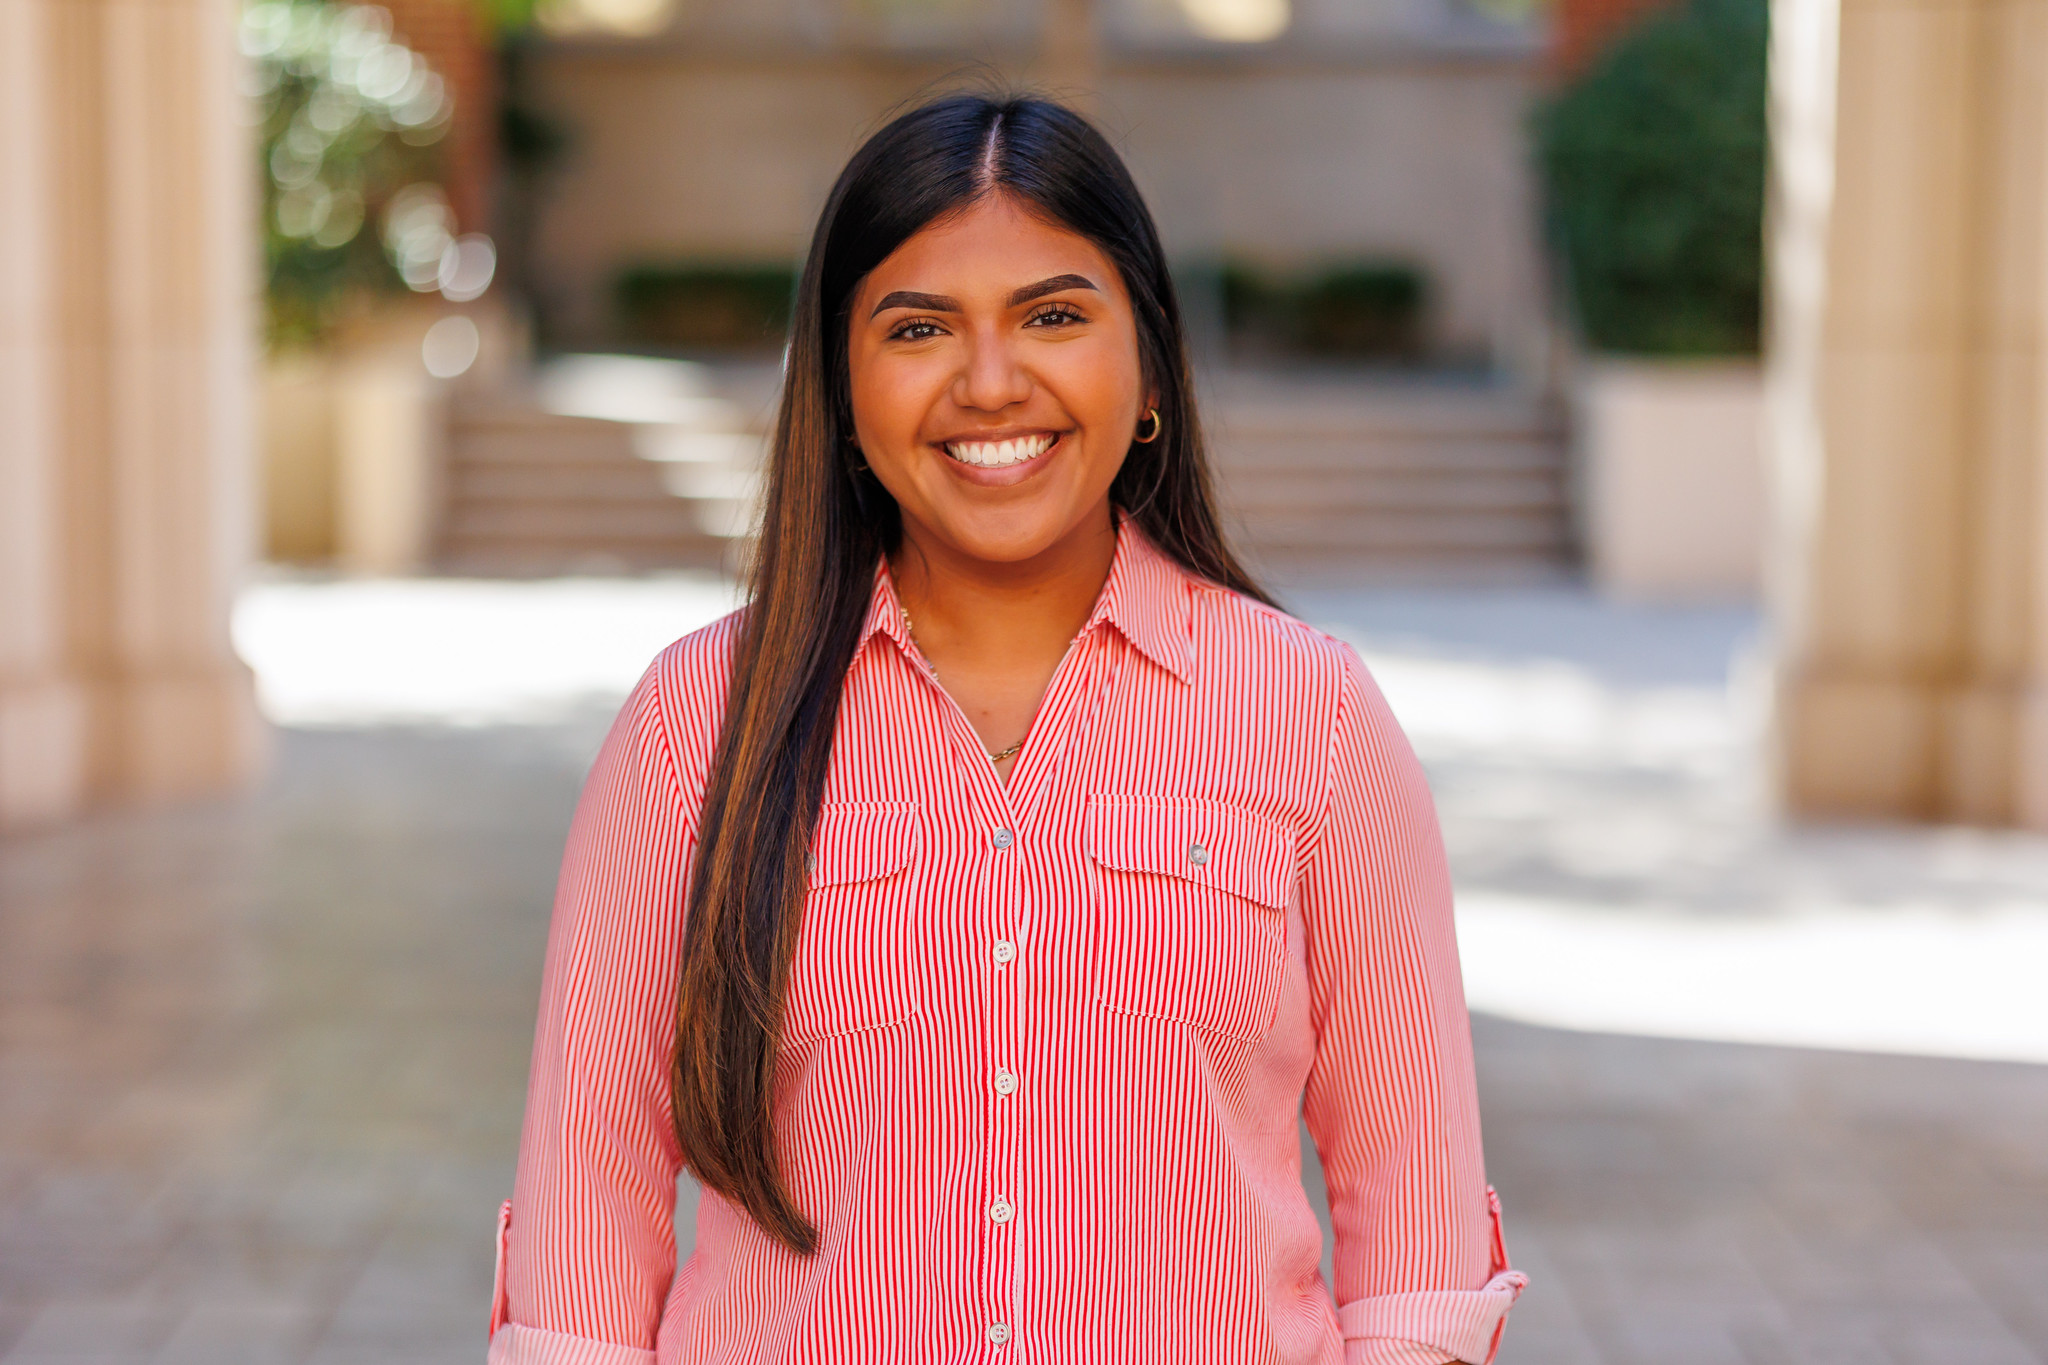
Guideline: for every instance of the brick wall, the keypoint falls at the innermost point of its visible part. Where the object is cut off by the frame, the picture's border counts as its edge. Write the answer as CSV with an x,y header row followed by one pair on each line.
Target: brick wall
x,y
451,35
1581,29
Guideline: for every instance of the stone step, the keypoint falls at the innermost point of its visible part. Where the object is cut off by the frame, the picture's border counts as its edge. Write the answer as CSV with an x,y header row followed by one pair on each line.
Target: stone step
x,y
640,482
1390,482
532,491
496,434
1409,454
1362,495
537,558
1538,534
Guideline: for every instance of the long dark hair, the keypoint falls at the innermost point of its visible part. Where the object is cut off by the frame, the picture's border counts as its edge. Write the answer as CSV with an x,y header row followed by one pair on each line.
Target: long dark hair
x,y
827,524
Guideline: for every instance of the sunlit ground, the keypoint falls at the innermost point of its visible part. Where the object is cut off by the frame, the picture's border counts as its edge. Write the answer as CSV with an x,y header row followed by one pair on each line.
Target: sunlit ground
x,y
1596,766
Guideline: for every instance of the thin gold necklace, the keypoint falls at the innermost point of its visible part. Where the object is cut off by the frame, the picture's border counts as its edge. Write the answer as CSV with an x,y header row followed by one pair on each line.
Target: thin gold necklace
x,y
911,630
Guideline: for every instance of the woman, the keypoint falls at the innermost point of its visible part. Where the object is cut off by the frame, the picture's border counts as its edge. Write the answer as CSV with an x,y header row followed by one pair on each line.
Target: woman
x,y
976,913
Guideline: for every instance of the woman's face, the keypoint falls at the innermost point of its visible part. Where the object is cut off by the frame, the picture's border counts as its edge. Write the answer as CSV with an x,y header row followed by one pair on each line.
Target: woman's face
x,y
996,383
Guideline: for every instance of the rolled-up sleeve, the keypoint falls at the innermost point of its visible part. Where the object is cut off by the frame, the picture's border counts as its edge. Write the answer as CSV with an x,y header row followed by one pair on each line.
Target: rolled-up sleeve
x,y
1422,1274
587,1245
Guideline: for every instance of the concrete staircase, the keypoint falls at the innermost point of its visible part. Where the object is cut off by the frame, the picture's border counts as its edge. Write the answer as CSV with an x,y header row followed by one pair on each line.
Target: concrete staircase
x,y
621,464
608,464
1393,482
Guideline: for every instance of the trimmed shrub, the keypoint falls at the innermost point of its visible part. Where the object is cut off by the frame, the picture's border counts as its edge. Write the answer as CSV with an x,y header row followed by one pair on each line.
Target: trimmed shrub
x,y
707,306
1653,164
1364,310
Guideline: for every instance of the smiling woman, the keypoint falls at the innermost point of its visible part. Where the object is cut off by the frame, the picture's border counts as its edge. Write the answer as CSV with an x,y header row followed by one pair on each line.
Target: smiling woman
x,y
978,911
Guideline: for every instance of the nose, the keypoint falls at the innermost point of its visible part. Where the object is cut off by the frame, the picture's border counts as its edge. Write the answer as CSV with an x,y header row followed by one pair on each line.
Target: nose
x,y
991,379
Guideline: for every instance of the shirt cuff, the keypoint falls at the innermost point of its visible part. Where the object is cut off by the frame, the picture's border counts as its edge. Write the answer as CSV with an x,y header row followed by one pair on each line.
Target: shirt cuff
x,y
512,1344
1430,1326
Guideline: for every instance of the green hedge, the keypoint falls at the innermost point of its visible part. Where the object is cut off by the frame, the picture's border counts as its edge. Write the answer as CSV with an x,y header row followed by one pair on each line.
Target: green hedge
x,y
1653,162
707,306
1368,310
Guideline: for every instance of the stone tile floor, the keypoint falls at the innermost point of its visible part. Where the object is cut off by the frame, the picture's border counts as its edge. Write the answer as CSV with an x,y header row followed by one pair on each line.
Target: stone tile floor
x,y
262,1062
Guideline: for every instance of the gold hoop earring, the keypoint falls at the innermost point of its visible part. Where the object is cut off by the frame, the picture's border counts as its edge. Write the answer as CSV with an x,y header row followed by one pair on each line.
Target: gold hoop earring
x,y
1157,426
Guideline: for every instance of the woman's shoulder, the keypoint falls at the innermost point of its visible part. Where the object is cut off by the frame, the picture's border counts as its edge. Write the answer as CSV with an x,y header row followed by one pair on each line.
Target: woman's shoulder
x,y
1248,633
683,693
699,664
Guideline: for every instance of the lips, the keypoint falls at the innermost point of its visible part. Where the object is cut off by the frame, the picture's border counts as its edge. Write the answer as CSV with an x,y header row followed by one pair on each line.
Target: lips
x,y
1001,454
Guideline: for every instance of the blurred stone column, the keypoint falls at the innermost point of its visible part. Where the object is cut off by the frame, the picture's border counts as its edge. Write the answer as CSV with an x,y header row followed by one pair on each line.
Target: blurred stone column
x,y
42,714
130,287
1909,407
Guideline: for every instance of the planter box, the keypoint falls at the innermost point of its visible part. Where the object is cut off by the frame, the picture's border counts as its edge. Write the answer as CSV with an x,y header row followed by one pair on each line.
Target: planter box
x,y
352,455
353,436
1671,478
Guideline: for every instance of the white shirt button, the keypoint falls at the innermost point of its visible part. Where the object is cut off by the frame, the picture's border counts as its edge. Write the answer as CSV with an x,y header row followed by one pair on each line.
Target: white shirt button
x,y
1001,1212
1006,1082
1004,838
998,1333
1198,855
1005,950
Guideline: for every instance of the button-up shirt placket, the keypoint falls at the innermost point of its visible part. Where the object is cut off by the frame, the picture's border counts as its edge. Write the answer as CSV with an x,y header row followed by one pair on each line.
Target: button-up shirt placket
x,y
1007,855
999,928
1003,853
1009,852
1061,738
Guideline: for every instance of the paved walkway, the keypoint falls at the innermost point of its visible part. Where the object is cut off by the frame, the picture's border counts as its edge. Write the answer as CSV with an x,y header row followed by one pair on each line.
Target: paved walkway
x,y
261,1063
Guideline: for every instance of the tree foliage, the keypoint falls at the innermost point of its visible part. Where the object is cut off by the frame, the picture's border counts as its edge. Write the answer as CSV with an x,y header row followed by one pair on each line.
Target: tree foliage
x,y
348,121
1654,164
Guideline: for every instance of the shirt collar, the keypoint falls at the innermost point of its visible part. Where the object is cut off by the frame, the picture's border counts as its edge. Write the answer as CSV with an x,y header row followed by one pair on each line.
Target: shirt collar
x,y
1145,597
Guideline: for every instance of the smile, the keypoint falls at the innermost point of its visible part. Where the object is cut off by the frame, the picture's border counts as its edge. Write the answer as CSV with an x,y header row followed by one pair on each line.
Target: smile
x,y
1001,454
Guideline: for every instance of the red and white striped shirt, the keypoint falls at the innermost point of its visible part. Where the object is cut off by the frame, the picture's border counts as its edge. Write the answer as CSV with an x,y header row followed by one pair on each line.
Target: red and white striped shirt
x,y
1047,1042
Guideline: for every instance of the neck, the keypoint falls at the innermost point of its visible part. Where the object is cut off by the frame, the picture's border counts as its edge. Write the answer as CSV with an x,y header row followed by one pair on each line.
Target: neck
x,y
994,615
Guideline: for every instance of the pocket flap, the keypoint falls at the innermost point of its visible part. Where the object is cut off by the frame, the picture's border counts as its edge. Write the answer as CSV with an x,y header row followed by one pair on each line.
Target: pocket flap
x,y
1201,841
857,841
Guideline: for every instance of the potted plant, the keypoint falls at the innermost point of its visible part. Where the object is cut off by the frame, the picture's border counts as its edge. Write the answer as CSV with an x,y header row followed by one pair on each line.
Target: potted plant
x,y
1653,162
354,222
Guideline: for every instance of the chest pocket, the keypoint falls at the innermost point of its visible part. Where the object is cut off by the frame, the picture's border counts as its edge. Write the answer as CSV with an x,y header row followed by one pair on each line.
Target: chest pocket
x,y
856,957
1190,921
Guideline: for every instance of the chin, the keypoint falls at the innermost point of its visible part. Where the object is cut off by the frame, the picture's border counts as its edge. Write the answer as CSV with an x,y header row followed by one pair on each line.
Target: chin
x,y
1009,535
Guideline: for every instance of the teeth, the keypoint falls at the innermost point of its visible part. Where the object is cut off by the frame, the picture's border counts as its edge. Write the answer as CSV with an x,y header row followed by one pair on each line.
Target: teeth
x,y
999,454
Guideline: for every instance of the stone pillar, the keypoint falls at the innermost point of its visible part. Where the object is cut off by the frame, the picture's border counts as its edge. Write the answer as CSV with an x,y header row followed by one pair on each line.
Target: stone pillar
x,y
1909,407
42,728
129,282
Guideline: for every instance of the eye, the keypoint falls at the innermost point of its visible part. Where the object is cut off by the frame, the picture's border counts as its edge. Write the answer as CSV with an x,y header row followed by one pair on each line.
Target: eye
x,y
916,329
1055,315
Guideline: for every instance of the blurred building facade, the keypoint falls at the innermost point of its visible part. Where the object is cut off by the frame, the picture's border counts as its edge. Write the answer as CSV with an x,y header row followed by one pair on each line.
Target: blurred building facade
x,y
1909,397
127,324
1389,130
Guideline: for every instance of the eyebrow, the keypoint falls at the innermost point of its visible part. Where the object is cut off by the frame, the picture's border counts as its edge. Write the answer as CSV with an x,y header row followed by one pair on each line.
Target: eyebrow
x,y
945,303
904,298
1050,286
